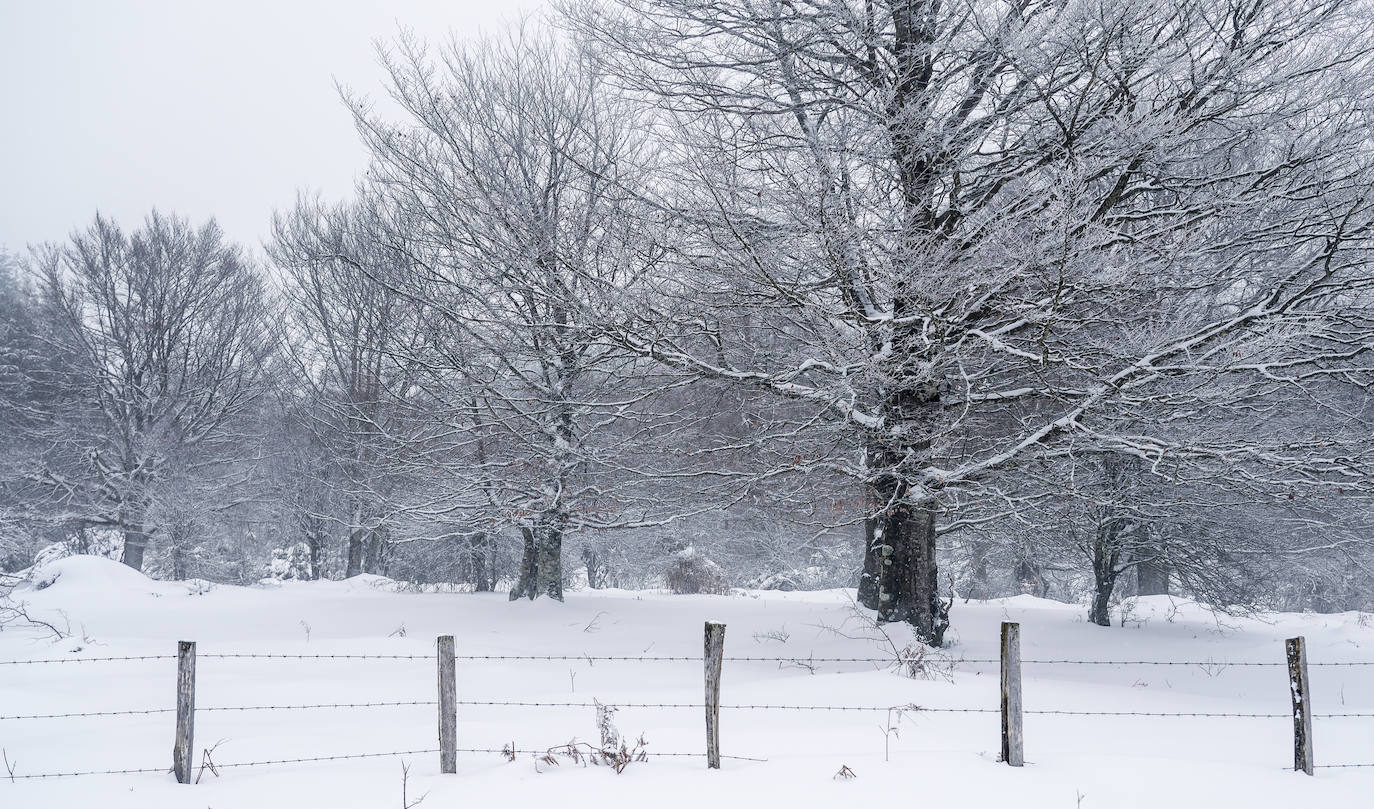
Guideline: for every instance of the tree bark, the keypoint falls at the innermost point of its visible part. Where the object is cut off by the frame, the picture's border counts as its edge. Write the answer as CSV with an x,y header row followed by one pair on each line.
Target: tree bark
x,y
529,560
481,564
1106,555
355,553
315,538
978,587
868,580
135,545
541,562
1030,580
596,569
550,561
1100,612
374,552
908,584
1152,577
179,540
179,572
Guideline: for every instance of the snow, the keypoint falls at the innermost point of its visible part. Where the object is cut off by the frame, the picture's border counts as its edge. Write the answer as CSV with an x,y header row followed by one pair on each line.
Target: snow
x,y
937,759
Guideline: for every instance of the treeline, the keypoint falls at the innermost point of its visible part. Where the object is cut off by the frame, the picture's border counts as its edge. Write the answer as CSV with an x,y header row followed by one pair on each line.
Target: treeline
x,y
935,299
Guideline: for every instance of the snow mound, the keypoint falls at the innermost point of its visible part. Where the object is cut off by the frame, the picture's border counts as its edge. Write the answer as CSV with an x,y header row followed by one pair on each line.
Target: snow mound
x,y
86,573
1030,602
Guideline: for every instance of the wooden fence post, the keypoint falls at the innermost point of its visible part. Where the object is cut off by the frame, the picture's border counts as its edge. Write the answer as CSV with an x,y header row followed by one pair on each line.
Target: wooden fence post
x,y
714,652
1012,751
1302,703
183,749
448,706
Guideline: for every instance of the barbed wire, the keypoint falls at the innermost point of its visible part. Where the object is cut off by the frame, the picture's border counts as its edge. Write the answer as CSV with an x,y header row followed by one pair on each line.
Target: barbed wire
x,y
1055,712
314,706
1339,766
651,754
283,656
130,712
85,659
899,660
339,757
908,707
682,658
688,705
701,706
1202,663
511,750
502,751
889,660
21,776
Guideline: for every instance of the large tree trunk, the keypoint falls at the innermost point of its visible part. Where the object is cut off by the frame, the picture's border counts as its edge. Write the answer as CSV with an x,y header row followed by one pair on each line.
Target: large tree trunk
x,y
1152,577
868,580
180,539
541,562
482,563
979,586
903,548
1106,555
135,545
316,539
179,567
1029,579
551,562
355,552
374,552
1100,612
525,582
597,574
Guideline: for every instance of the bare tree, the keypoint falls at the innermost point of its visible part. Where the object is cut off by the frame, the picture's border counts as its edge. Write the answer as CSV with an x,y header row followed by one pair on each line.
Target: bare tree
x,y
354,344
978,233
165,334
509,179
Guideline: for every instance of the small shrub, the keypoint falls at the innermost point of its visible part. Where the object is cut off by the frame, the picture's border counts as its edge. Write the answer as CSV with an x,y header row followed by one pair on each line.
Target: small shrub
x,y
798,578
290,564
691,572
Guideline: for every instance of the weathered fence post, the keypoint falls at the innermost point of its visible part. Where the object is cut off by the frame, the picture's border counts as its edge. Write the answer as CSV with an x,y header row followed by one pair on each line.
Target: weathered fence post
x,y
1012,752
1302,703
714,652
184,746
448,706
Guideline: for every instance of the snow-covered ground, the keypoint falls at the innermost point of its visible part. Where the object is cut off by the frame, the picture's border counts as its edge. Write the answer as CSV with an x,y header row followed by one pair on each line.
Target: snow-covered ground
x,y
934,759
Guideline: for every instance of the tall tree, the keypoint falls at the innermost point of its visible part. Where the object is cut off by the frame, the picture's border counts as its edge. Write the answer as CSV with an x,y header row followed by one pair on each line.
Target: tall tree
x,y
509,175
986,230
356,348
164,328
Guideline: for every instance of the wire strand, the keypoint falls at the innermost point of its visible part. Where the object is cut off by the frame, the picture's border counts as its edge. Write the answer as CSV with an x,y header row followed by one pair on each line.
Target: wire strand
x,y
322,758
84,660
314,706
1339,766
19,776
131,712
283,656
798,660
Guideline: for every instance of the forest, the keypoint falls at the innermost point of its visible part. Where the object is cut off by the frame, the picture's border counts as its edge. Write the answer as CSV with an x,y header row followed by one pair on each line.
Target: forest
x,y
936,300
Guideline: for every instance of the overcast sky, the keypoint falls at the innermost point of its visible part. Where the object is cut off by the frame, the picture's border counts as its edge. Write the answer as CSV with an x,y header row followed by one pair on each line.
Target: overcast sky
x,y
219,109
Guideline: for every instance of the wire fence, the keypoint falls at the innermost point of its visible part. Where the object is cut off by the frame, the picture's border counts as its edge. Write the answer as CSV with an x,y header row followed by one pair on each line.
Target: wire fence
x,y
85,660
510,753
896,659
909,708
890,660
